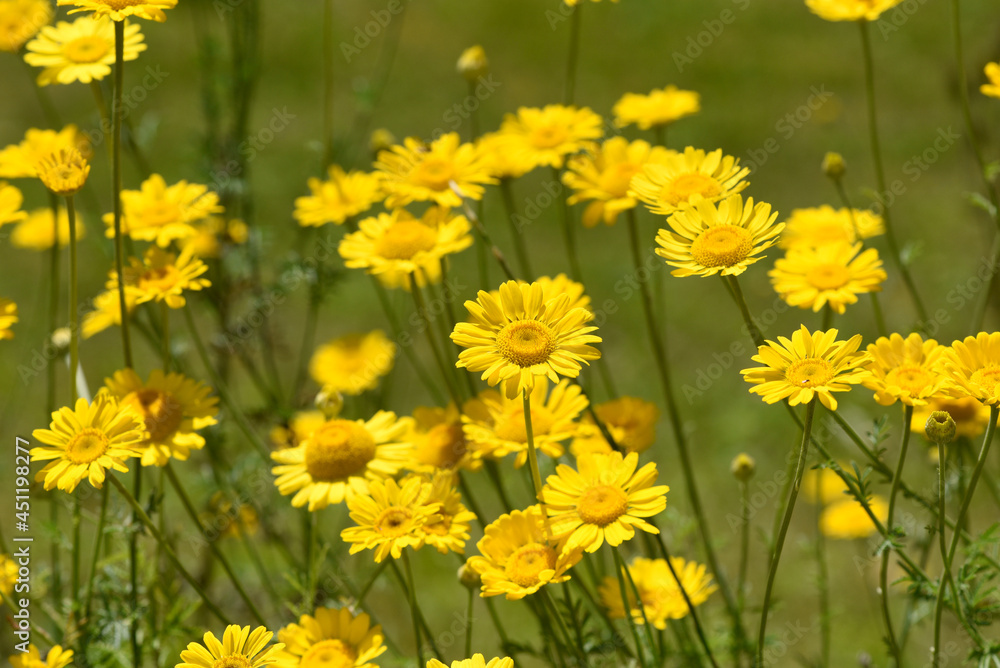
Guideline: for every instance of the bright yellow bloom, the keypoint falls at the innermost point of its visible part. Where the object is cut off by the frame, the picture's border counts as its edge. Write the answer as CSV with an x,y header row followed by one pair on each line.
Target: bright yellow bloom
x,y
604,500
81,51
439,442
173,408
848,520
162,276
554,286
8,316
850,10
20,161
520,336
64,172
300,427
107,312
992,88
497,151
390,517
519,556
118,10
341,457
661,597
418,172
970,415
86,440
395,246
630,420
824,225
56,658
354,363
449,528
20,20
807,366
331,639
478,660
11,200
161,213
682,179
660,107
338,198
37,231
704,240
822,486
906,369
8,575
240,648
494,424
544,137
604,176
973,367
832,275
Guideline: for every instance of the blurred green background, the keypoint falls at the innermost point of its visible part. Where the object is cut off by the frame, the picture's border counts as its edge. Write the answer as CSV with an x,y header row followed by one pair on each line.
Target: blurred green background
x,y
765,64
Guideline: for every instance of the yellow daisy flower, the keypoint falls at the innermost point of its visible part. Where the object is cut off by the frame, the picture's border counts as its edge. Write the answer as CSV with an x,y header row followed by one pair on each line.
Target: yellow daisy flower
x,y
604,176
630,420
338,198
850,10
240,648
106,312
494,424
341,457
20,20
604,500
820,226
449,529
81,51
37,232
834,275
807,366
10,204
992,88
118,10
823,486
395,246
354,363
300,427
681,179
847,519
704,240
418,172
519,556
905,369
478,660
544,137
162,276
64,172
970,415
8,575
161,213
520,335
8,316
56,658
173,408
20,161
973,367
86,440
439,442
390,517
659,592
497,151
659,107
554,286
336,638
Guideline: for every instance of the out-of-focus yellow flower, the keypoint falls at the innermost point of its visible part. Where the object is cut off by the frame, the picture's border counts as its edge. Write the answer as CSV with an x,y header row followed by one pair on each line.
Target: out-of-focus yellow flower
x,y
354,363
659,107
419,172
631,422
11,200
449,528
64,172
20,20
20,161
850,10
56,658
822,486
545,137
332,638
992,88
107,312
832,275
473,63
8,316
342,195
820,226
162,276
848,520
240,648
81,51
659,592
161,213
439,442
478,660
38,233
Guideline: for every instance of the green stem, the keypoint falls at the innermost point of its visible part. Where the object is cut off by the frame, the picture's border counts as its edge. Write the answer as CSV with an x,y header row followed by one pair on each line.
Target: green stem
x,y
133,572
569,229
627,604
884,571
563,631
50,403
876,305
647,627
312,549
446,375
329,55
165,335
98,540
783,531
484,236
516,233
823,581
574,55
741,580
117,109
74,299
536,476
411,596
468,623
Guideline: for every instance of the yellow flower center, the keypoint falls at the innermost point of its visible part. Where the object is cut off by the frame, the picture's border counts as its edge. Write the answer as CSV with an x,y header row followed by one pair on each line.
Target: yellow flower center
x,y
525,565
828,276
511,426
159,279
681,189
405,239
988,379
161,412
118,5
442,527
526,342
337,450
434,173
810,372
89,49
394,522
87,446
615,180
443,446
232,662
548,136
602,505
329,654
913,379
722,246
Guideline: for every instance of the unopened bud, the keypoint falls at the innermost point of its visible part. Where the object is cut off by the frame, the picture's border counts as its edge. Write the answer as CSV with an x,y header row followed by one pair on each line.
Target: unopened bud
x,y
940,427
469,578
473,63
381,140
834,166
743,467
330,402
61,338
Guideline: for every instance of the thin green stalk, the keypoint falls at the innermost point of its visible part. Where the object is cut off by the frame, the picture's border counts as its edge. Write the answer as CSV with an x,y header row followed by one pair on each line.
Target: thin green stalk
x,y
627,604
308,335
783,531
468,622
647,627
577,631
484,236
360,598
741,579
148,523
411,595
98,540
133,573
491,609
474,115
312,550
165,335
884,571
117,109
516,233
77,549
329,57
563,631
574,55
890,235
823,581
74,299
876,305
536,476
446,374
569,229
492,470
50,375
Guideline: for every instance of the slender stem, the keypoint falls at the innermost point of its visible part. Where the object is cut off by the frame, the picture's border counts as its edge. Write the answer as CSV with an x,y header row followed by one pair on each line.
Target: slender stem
x,y
884,571
876,305
312,550
165,335
484,235
782,532
117,109
516,233
50,403
329,56
74,298
446,374
823,581
627,605
569,229
741,579
148,523
133,571
536,476
98,540
491,609
411,596
574,55
468,623
77,549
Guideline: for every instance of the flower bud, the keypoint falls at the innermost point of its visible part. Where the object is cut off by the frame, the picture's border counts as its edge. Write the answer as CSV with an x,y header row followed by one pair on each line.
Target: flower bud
x,y
63,172
330,402
469,578
381,140
60,339
834,166
940,427
473,63
743,467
